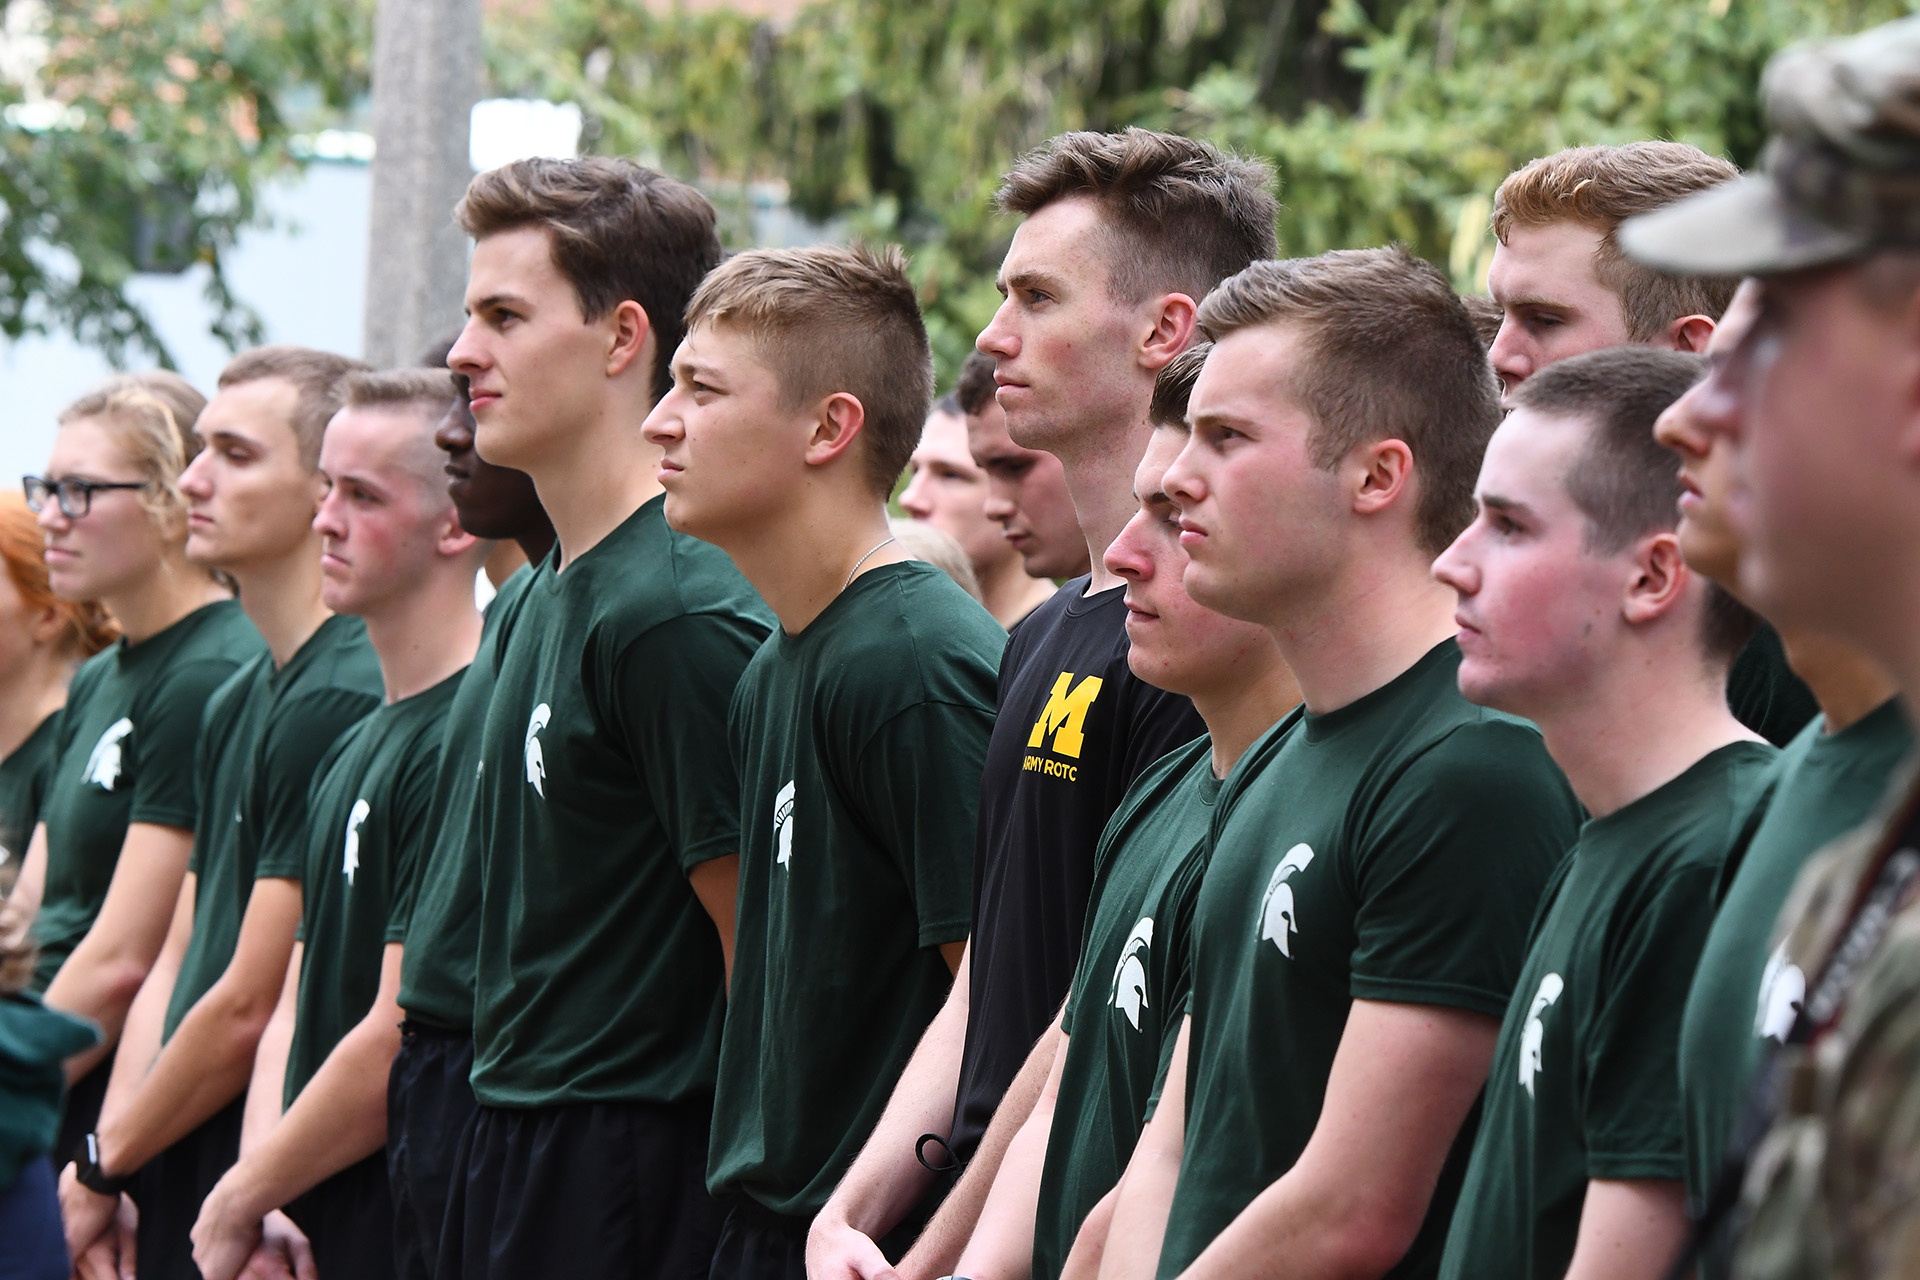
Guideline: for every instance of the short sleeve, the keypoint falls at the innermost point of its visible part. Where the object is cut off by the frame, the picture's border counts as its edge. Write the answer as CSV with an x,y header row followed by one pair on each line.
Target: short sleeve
x,y
163,791
1632,1118
1451,865
1153,722
299,741
412,832
918,781
672,690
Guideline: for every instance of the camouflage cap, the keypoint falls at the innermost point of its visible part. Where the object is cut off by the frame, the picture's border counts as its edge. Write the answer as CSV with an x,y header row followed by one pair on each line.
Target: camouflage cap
x,y
1840,177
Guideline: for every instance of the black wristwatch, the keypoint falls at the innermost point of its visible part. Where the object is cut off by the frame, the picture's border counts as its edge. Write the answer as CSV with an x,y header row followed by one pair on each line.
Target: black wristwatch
x,y
88,1173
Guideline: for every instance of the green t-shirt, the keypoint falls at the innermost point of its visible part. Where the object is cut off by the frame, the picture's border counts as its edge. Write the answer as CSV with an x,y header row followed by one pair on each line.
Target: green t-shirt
x,y
1744,993
371,818
35,1043
436,972
1391,850
23,788
1584,1083
125,755
1124,1010
266,732
859,745
607,777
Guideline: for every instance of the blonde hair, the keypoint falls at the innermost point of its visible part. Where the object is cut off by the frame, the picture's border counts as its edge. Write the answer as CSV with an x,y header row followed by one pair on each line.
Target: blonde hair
x,y
151,417
829,319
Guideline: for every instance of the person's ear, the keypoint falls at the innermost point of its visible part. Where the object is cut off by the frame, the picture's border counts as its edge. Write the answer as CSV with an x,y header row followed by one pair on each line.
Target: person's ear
x,y
1657,581
1381,472
839,421
629,338
450,539
46,627
1174,323
1689,333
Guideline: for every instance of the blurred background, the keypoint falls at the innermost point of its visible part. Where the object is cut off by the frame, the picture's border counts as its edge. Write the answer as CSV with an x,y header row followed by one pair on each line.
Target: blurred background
x,y
181,178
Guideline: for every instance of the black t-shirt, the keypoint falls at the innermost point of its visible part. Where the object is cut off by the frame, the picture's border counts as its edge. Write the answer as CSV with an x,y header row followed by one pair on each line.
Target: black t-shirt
x,y
1075,728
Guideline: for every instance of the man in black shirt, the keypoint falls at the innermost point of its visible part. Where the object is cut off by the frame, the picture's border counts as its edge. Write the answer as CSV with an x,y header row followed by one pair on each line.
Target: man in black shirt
x,y
1124,233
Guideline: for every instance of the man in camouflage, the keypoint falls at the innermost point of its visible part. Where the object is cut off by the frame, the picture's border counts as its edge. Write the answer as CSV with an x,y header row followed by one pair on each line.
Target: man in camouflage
x,y
1827,448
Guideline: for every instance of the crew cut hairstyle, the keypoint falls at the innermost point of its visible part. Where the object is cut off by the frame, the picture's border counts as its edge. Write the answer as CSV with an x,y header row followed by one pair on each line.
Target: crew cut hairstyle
x,y
1174,387
1601,187
975,386
1389,352
1180,216
828,319
317,377
617,231
1625,482
431,390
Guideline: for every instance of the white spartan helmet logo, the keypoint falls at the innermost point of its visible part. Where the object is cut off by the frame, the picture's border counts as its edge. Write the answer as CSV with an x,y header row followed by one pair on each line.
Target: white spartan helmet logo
x,y
783,823
350,862
1783,988
1531,1036
1278,923
1129,994
103,765
536,763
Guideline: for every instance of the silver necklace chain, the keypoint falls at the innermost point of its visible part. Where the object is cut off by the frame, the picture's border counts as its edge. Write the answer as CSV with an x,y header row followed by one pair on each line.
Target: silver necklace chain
x,y
862,560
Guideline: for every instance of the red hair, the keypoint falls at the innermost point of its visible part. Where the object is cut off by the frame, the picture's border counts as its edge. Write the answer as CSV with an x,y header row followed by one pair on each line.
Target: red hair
x,y
86,627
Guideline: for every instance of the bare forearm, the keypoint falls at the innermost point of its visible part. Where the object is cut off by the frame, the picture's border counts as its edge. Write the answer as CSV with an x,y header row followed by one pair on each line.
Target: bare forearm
x,y
339,1119
985,1227
204,1067
1090,1242
1001,1246
99,982
887,1178
1629,1230
1144,1198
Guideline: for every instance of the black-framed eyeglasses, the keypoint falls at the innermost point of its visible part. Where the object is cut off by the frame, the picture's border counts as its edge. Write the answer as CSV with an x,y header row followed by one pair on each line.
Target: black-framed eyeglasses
x,y
74,495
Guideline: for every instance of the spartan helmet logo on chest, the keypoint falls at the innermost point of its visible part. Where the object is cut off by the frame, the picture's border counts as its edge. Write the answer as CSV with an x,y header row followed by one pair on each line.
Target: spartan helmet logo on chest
x,y
536,759
1533,1035
1129,994
1278,920
104,763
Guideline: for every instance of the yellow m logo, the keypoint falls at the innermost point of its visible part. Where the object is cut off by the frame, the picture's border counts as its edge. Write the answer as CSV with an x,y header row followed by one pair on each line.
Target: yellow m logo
x,y
1066,714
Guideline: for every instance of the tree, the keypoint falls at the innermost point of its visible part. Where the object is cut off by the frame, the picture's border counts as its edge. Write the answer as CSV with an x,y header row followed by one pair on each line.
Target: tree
x,y
1387,119
141,143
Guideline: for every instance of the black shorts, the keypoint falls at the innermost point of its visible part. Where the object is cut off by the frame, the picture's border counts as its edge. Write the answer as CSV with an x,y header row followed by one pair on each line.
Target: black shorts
x,y
81,1114
171,1187
758,1244
429,1105
592,1191
349,1220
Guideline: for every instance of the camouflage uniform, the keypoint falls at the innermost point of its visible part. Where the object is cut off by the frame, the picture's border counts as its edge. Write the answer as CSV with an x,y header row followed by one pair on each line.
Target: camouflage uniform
x,y
1832,1189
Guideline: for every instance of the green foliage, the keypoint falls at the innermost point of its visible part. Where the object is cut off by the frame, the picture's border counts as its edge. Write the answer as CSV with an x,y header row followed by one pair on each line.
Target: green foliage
x,y
1388,119
160,121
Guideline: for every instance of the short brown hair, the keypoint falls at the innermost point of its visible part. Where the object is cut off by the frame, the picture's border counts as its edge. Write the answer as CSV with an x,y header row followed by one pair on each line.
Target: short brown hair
x,y
315,375
618,232
1390,354
1625,482
1174,387
976,385
428,388
1182,215
1486,314
830,319
1601,187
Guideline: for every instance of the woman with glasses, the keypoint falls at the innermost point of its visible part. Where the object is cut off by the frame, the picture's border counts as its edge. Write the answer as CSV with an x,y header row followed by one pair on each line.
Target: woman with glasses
x,y
42,639
107,860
